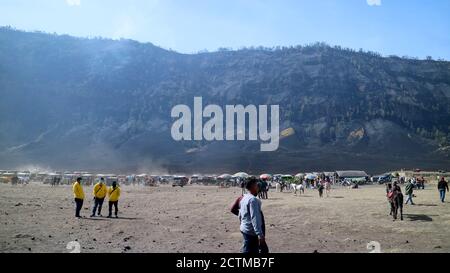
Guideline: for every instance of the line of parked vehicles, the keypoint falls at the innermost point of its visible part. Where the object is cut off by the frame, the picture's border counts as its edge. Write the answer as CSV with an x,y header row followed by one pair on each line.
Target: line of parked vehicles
x,y
342,178
67,178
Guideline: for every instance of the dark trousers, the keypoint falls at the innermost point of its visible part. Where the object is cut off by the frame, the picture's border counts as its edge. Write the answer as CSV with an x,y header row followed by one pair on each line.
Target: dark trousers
x,y
263,249
251,245
320,192
116,209
98,203
78,206
442,195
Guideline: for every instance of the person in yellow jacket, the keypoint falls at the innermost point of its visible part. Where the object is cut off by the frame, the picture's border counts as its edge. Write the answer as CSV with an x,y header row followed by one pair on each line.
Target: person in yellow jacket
x,y
114,195
78,193
99,196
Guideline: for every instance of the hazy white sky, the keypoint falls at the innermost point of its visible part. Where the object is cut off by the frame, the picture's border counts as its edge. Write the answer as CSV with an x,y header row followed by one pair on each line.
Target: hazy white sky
x,y
402,27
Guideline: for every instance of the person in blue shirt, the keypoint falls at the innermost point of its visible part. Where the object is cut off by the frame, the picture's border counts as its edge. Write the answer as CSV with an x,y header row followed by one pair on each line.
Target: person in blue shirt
x,y
252,220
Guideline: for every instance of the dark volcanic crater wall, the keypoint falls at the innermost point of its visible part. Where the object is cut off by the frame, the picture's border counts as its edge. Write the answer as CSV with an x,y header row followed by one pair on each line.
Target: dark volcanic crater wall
x,y
98,104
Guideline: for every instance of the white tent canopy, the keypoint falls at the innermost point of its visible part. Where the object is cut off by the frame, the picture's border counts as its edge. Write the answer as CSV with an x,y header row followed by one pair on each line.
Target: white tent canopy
x,y
311,176
225,176
241,175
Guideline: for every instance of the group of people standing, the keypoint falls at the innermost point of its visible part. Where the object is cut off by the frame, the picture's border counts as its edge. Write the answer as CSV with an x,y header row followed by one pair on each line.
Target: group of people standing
x,y
263,188
324,184
100,192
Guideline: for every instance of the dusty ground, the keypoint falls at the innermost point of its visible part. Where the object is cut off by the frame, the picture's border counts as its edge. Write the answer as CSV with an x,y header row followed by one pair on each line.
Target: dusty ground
x,y
38,218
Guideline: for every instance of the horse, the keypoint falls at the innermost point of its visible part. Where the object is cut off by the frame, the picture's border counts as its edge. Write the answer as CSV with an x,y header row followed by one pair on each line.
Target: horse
x,y
395,198
278,187
300,188
281,186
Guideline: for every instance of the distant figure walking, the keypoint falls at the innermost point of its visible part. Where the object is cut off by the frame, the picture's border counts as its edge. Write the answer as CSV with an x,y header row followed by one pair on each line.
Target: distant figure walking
x,y
421,183
78,194
99,196
263,187
242,185
442,187
53,183
252,221
266,189
114,195
260,190
409,190
328,187
15,180
320,187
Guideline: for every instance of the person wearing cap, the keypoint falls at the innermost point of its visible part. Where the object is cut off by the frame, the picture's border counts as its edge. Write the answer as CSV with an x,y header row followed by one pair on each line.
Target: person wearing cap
x,y
99,196
114,195
78,193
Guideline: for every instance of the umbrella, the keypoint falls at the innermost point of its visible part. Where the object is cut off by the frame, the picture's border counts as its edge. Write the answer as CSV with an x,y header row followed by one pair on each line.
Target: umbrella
x,y
300,175
311,176
241,175
265,176
225,176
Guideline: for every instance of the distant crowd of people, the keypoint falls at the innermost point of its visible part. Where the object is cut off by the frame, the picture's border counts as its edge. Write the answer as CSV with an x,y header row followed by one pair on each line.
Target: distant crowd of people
x,y
248,206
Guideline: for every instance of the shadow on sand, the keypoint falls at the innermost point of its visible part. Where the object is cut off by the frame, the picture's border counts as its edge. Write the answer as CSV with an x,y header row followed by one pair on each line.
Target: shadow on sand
x,y
126,218
426,205
95,219
418,217
110,219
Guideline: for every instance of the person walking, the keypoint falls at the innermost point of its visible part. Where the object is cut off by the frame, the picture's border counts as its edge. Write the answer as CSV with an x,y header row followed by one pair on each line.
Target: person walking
x,y
442,187
320,187
99,196
328,186
242,185
260,189
252,221
265,188
14,180
114,195
409,190
78,194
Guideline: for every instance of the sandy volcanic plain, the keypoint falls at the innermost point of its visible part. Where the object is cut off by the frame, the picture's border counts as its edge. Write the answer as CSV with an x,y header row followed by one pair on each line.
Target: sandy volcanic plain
x,y
40,218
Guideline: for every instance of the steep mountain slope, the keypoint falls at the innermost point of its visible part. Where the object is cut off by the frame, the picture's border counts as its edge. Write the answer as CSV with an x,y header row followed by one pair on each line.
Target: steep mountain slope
x,y
101,104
